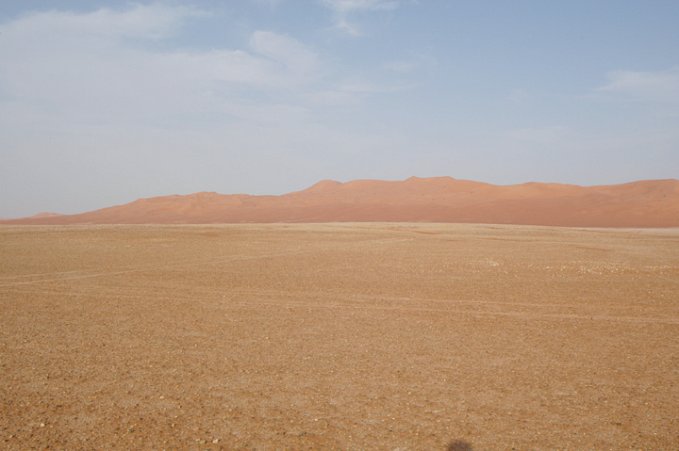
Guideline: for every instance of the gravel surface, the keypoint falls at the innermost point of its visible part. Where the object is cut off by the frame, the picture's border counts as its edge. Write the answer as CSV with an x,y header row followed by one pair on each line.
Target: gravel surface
x,y
338,336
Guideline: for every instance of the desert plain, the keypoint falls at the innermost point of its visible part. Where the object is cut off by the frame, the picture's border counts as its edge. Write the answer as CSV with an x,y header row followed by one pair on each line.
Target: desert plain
x,y
338,336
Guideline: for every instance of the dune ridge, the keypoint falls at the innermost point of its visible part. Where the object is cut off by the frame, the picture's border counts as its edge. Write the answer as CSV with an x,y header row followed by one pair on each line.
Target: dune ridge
x,y
646,203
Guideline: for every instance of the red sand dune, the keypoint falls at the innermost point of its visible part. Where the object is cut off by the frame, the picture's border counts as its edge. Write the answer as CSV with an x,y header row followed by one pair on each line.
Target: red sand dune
x,y
650,203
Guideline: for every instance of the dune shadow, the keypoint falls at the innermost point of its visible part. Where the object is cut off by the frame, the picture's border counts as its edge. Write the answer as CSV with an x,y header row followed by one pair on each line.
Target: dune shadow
x,y
459,445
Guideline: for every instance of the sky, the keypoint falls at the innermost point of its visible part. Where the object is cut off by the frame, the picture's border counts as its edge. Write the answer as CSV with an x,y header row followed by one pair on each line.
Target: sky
x,y
104,102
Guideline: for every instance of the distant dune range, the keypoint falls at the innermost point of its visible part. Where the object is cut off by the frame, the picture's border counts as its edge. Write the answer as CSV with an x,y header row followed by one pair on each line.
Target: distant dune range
x,y
649,203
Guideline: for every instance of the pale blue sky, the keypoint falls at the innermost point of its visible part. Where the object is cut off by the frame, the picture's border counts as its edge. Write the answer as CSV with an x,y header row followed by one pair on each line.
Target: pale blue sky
x,y
103,102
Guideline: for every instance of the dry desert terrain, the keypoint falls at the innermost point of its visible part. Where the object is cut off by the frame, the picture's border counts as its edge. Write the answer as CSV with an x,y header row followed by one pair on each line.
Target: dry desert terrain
x,y
644,203
338,336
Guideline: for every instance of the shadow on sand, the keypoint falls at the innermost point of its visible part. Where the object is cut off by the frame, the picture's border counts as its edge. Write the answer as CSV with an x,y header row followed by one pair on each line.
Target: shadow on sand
x,y
459,445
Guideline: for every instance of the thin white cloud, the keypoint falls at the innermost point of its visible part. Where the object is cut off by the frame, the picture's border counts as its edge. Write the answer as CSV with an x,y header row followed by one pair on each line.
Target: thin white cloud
x,y
656,86
401,67
365,87
343,10
66,66
347,6
343,24
152,21
413,63
292,54
79,68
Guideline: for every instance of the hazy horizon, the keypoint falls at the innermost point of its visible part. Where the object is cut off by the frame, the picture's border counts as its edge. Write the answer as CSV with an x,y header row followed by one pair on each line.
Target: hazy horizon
x,y
105,102
310,187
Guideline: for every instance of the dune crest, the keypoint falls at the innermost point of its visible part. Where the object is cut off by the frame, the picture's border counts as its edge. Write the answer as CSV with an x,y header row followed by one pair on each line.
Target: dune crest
x,y
648,203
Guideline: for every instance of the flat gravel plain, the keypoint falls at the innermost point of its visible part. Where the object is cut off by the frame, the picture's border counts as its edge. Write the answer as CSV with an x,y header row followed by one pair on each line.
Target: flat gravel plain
x,y
338,336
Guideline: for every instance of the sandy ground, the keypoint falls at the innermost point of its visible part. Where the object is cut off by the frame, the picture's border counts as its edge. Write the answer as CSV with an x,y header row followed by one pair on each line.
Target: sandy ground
x,y
352,336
